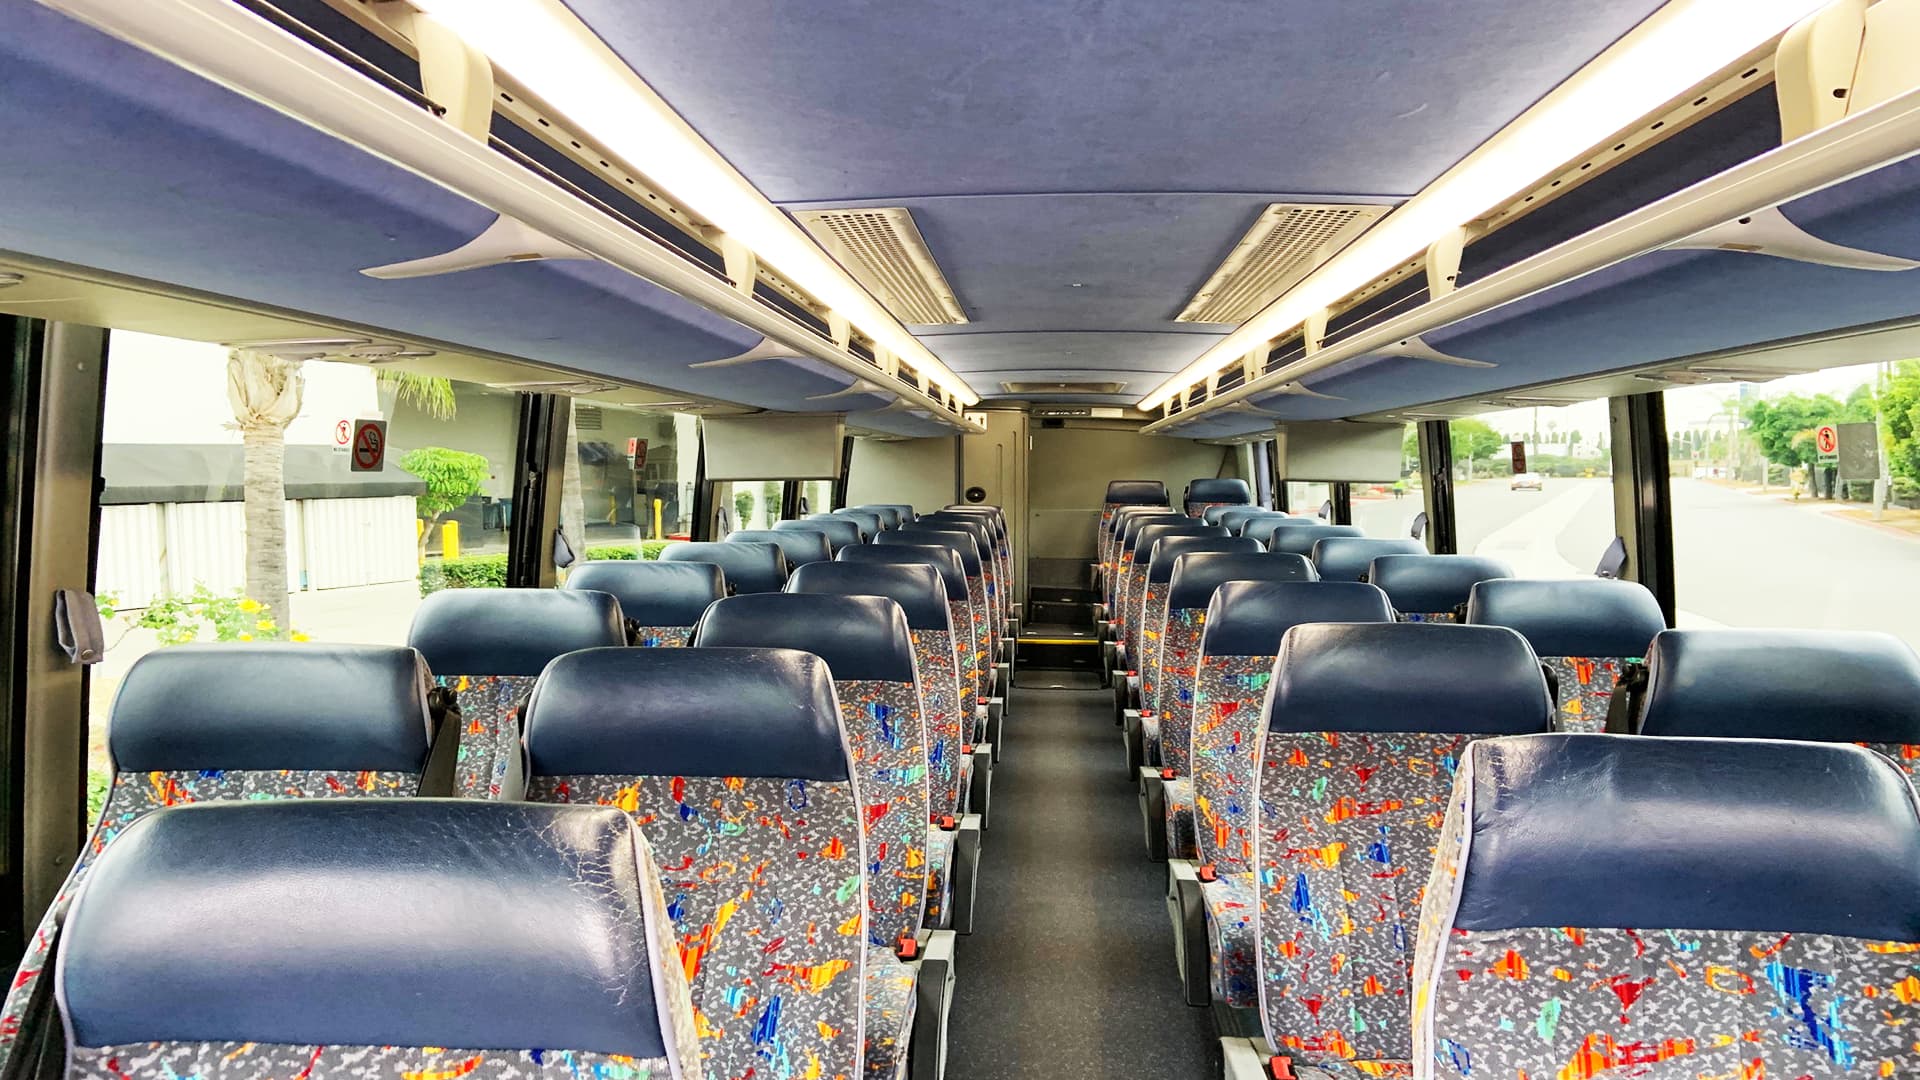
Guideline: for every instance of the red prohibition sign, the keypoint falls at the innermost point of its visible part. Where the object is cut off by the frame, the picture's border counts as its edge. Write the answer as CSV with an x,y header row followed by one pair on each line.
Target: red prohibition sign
x,y
342,432
1828,439
367,447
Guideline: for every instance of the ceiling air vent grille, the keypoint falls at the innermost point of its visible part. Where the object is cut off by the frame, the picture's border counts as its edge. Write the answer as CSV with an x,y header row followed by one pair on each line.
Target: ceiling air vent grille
x,y
1286,242
1063,387
882,248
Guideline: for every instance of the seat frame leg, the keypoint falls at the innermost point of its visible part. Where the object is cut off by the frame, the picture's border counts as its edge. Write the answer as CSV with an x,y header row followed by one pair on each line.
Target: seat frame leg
x,y
933,1005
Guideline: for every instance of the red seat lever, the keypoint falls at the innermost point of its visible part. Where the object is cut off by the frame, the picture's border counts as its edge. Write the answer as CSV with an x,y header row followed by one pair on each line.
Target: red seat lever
x,y
1207,872
908,948
1280,1068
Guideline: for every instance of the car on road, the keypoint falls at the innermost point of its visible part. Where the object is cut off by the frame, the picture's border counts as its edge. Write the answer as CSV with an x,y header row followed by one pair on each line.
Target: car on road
x,y
1528,481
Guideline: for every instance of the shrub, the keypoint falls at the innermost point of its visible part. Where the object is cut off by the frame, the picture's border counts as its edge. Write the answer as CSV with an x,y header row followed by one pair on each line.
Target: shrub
x,y
176,620
490,571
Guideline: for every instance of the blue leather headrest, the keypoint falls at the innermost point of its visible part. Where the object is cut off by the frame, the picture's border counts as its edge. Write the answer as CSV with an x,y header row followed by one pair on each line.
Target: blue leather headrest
x,y
378,922
1250,617
905,509
511,631
687,712
750,567
1194,576
1429,583
1574,617
1144,540
889,517
916,588
799,548
839,532
1294,535
1214,514
1716,834
1130,528
654,593
1407,677
1233,517
340,708
961,543
1117,528
1161,559
1136,493
1818,685
1346,558
871,523
996,525
942,558
860,637
981,531
1222,489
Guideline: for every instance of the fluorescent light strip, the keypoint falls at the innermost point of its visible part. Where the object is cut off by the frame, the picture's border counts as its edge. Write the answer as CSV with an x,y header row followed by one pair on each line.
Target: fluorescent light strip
x,y
1668,54
559,58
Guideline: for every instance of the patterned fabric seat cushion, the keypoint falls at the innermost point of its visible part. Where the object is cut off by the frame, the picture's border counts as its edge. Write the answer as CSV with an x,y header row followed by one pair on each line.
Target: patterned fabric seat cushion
x,y
244,1061
970,654
1347,827
1152,628
1178,666
1232,904
1226,736
655,637
933,654
1586,689
1429,616
1905,755
1179,823
940,846
490,729
889,1015
882,720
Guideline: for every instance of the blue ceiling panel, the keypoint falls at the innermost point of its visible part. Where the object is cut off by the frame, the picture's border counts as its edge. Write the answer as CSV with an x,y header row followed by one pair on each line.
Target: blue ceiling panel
x,y
1876,212
976,356
120,161
871,99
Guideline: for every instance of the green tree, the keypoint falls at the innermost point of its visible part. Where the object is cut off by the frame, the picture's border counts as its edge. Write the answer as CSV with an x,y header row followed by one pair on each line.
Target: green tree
x,y
770,501
452,477
1467,437
1899,401
742,508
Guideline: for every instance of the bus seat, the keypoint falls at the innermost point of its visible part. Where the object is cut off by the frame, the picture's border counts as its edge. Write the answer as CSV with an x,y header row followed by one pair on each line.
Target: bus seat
x,y
344,939
1851,686
1774,906
1142,736
247,721
991,599
922,596
871,523
750,566
1433,588
971,660
1245,624
905,509
1198,567
1364,726
869,653
1107,548
1217,491
840,532
799,547
1587,631
661,601
488,646
963,546
1295,535
1347,558
1120,494
999,561
1133,600
1234,517
697,745
996,520
890,517
862,532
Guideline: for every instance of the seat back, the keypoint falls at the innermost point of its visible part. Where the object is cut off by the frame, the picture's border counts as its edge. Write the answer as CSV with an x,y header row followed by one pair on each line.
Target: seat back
x,y
1365,725
839,532
1107,547
985,636
922,595
800,547
869,652
970,658
1002,542
871,523
488,646
1130,527
1748,942
1294,535
1124,493
1134,601
905,510
1233,517
703,747
1347,558
1585,630
1847,686
1153,619
1245,623
345,939
890,517
993,557
1196,570
1217,491
661,602
1433,588
750,567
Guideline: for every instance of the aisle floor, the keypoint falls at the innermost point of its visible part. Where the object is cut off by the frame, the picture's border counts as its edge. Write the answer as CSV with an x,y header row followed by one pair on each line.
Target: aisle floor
x,y
1070,972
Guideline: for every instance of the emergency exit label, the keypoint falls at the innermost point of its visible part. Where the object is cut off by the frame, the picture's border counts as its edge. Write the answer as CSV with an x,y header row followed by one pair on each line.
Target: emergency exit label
x,y
369,445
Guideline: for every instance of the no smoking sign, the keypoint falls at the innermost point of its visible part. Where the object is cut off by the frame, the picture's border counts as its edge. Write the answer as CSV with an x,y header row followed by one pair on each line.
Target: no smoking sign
x,y
369,446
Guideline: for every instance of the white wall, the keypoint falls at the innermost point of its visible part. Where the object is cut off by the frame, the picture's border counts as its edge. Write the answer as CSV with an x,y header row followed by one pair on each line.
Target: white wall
x,y
916,471
164,390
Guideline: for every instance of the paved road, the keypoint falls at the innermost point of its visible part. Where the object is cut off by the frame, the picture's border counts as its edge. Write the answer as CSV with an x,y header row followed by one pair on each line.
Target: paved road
x,y
1740,559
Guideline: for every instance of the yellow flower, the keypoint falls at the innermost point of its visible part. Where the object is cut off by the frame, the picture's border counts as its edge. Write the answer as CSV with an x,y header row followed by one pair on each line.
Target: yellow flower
x,y
246,637
264,624
251,606
298,636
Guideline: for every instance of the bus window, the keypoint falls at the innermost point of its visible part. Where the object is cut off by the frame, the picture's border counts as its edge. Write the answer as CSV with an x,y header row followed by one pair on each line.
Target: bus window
x,y
188,552
749,504
1554,517
1386,507
816,496
1770,529
628,485
1308,498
